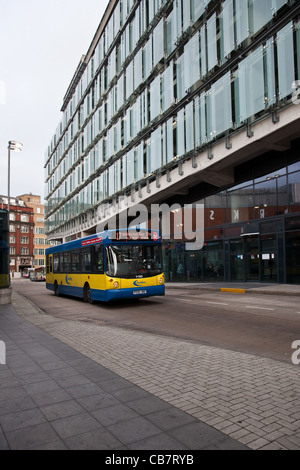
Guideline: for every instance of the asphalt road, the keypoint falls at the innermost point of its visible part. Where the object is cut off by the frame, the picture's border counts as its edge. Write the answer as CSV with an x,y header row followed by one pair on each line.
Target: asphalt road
x,y
262,325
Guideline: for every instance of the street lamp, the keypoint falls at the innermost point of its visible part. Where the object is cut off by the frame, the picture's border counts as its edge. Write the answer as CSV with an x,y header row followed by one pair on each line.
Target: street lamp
x,y
15,147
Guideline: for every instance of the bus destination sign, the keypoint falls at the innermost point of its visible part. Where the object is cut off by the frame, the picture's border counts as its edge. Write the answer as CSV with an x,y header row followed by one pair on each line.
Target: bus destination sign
x,y
92,241
134,235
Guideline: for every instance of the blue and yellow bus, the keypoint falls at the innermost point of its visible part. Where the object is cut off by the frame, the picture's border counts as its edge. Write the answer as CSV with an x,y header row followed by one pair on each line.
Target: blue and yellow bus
x,y
113,265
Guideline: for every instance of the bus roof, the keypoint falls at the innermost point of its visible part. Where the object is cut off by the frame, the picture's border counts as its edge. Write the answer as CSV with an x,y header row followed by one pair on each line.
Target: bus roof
x,y
109,236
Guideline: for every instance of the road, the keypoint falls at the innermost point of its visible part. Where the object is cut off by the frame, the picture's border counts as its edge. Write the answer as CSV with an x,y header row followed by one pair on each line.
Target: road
x,y
262,325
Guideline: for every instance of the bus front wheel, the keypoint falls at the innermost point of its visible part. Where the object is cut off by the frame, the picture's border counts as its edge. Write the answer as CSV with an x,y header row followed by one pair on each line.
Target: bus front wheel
x,y
87,297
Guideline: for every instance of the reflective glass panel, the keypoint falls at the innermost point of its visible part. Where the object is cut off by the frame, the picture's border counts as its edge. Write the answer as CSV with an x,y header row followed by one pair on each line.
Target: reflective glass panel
x,y
180,133
251,85
156,151
158,42
212,56
228,27
242,21
260,13
285,56
241,204
167,88
270,73
138,69
155,107
203,58
219,103
191,62
170,140
294,191
139,162
170,32
265,202
189,127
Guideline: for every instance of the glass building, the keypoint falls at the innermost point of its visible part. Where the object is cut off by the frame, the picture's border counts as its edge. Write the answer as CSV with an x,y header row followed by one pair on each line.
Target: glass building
x,y
187,101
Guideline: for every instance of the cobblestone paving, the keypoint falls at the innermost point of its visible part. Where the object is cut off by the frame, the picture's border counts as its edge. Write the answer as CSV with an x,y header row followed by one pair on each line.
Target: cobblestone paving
x,y
252,399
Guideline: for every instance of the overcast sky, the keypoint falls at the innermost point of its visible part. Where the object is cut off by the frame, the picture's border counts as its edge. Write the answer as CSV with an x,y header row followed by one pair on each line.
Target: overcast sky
x,y
41,43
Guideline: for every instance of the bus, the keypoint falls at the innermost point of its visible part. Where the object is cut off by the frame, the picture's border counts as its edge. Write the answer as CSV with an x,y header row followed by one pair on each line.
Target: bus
x,y
113,265
38,274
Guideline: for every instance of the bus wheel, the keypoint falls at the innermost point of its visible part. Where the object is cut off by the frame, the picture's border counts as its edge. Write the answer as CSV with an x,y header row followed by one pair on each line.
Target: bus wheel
x,y
56,293
87,294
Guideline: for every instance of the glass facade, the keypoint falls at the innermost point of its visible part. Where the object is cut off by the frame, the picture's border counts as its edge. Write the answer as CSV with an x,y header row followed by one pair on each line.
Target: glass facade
x,y
163,80
251,234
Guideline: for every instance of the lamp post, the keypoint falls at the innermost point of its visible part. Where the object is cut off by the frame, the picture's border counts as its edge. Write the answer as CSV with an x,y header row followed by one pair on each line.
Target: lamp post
x,y
15,147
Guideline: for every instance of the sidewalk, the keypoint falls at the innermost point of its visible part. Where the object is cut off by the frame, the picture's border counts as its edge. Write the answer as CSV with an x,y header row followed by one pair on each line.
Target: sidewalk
x,y
239,287
75,385
53,397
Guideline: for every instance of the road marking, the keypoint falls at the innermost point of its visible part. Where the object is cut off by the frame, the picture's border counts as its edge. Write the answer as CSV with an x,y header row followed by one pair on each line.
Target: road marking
x,y
216,303
261,308
182,300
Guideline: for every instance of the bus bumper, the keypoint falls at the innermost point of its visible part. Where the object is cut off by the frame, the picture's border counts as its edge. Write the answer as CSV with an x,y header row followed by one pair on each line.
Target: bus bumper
x,y
119,294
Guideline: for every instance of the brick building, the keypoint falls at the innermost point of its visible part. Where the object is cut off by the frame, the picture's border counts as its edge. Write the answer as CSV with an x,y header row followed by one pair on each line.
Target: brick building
x,y
21,235
40,239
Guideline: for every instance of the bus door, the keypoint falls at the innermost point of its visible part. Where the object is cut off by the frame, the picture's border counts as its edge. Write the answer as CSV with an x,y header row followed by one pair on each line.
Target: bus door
x,y
50,269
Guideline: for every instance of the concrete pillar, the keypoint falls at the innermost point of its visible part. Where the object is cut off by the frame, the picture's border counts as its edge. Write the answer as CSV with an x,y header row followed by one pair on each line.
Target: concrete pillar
x,y
5,296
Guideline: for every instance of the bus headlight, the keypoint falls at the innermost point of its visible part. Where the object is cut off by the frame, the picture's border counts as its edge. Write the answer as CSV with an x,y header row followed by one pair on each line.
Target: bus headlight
x,y
116,284
161,280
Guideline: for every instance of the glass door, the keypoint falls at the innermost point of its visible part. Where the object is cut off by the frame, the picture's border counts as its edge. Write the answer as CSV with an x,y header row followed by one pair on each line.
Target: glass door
x,y
269,259
237,260
252,258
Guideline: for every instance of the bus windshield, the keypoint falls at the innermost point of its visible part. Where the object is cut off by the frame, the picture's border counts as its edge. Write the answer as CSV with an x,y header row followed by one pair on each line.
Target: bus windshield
x,y
133,261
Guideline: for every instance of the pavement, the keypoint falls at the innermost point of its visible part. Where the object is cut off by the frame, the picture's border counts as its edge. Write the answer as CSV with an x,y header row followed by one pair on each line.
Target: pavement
x,y
240,287
75,385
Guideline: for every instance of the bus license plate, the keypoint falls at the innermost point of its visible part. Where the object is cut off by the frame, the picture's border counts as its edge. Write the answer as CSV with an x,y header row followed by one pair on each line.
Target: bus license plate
x,y
139,292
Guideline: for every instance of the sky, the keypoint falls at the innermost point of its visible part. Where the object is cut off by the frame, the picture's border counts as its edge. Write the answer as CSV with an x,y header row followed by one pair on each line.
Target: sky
x,y
41,44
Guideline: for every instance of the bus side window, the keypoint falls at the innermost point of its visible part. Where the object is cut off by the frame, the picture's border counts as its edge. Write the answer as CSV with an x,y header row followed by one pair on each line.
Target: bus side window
x,y
56,263
75,262
86,261
99,259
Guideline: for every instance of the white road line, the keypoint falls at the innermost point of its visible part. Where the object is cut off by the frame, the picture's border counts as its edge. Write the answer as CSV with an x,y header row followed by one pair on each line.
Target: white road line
x,y
261,308
216,303
181,300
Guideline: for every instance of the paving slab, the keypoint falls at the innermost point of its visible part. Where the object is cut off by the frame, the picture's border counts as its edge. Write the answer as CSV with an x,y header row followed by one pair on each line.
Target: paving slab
x,y
56,398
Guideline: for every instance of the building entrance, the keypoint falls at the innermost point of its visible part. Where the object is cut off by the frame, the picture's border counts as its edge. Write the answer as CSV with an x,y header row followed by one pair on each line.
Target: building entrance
x,y
254,258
